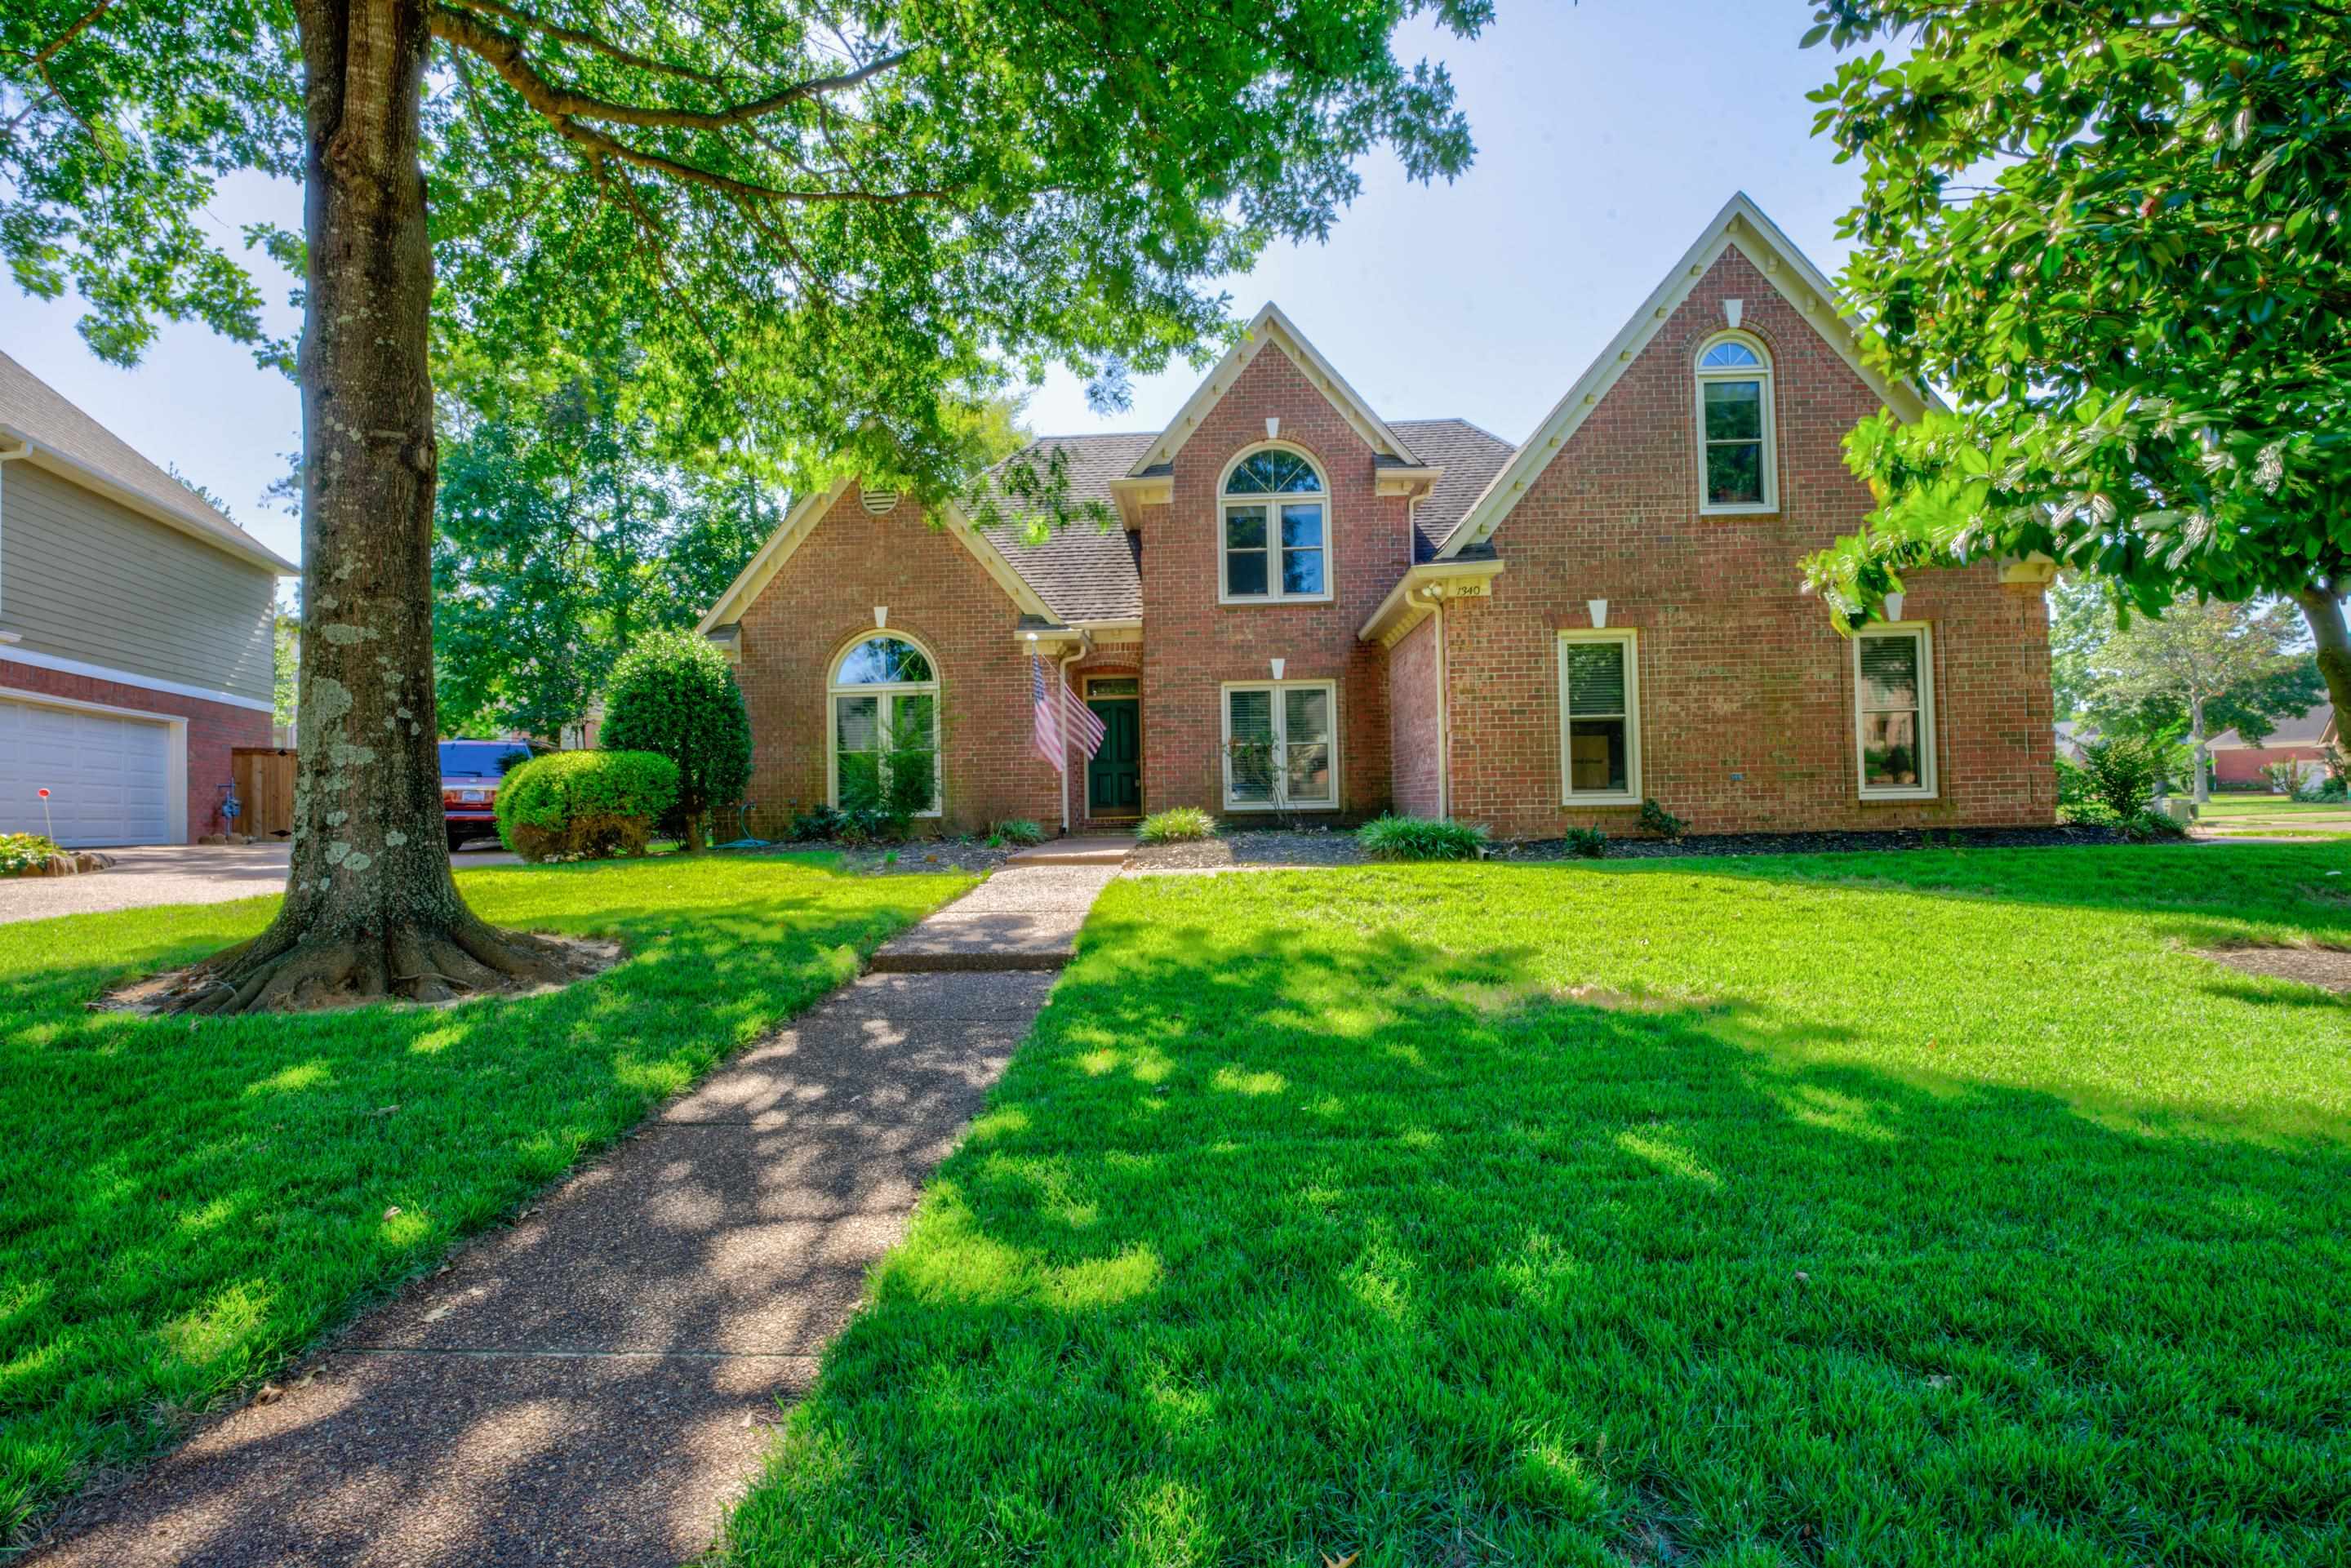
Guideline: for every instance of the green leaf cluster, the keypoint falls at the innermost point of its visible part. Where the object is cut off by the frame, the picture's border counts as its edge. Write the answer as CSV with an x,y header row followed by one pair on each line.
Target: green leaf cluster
x,y
2115,233
673,693
589,803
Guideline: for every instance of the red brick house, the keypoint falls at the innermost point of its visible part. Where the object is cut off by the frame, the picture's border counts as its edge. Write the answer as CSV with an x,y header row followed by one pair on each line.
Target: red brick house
x,y
1305,608
2304,739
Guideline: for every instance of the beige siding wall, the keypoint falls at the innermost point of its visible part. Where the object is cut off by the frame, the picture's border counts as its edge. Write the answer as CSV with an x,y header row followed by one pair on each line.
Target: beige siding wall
x,y
84,578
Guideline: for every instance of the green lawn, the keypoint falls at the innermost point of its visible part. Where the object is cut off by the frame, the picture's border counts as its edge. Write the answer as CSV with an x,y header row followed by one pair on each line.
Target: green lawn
x,y
184,1208
1872,1209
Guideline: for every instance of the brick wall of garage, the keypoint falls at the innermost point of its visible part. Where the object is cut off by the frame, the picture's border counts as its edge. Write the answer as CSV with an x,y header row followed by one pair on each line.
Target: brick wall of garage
x,y
215,730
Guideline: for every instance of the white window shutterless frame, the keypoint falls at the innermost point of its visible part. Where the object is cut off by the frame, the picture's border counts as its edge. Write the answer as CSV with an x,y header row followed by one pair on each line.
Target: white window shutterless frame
x,y
1894,711
1281,746
882,714
1739,467
1274,529
1600,718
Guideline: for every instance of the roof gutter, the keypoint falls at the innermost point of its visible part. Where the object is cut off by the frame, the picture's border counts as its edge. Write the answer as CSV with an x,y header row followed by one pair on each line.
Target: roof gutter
x,y
89,478
1417,593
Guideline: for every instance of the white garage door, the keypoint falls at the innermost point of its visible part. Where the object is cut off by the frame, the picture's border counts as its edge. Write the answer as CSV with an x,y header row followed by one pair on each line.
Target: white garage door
x,y
108,778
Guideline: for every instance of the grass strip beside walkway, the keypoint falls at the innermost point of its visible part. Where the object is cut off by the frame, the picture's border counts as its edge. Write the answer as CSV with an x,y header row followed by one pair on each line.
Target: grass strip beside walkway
x,y
183,1210
1923,1208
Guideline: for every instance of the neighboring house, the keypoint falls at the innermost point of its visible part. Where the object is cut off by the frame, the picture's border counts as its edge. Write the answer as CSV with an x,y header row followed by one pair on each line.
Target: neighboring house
x,y
2303,739
135,633
1307,608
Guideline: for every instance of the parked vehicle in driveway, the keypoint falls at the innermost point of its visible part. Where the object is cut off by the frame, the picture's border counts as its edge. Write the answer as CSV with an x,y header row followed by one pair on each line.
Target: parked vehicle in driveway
x,y
470,771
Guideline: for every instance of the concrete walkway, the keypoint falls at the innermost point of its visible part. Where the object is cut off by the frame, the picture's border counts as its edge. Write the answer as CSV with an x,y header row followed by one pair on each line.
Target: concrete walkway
x,y
595,1385
150,874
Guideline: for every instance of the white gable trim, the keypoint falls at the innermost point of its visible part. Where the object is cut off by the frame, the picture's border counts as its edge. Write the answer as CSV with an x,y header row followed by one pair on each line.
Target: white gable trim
x,y
1741,226
1271,326
753,580
805,519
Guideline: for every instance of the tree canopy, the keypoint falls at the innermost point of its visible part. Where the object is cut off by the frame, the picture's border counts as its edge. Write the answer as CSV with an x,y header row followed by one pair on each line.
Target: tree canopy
x,y
2115,232
819,228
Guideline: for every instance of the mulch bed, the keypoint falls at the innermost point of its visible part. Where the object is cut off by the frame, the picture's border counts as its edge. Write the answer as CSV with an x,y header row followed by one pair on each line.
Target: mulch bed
x,y
972,855
2327,967
1331,846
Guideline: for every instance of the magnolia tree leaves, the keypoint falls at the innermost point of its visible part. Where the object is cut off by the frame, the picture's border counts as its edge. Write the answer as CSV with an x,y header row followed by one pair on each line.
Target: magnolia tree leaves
x,y
2116,237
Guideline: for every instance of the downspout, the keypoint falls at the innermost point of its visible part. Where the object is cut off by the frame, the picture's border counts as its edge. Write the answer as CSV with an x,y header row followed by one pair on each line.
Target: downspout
x,y
1062,699
23,448
1435,596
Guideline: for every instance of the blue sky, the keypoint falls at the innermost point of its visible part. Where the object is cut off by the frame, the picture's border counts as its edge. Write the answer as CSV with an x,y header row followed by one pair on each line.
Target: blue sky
x,y
1608,133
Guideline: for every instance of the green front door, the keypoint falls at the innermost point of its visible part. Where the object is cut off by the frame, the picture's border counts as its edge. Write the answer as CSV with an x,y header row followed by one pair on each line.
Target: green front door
x,y
1115,775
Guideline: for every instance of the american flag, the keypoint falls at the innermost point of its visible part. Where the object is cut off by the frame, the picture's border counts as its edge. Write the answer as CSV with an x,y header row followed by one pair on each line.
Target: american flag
x,y
1086,725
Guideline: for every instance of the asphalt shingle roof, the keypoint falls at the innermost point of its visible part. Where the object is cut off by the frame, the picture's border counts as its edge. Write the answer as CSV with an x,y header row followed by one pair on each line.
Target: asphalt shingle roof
x,y
1470,458
41,412
1084,571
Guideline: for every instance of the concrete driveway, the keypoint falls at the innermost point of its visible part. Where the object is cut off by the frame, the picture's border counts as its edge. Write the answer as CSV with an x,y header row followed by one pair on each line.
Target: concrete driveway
x,y
176,873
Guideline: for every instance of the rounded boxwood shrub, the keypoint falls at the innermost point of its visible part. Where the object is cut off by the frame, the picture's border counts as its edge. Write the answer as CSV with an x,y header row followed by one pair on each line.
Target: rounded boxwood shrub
x,y
1420,839
584,804
672,692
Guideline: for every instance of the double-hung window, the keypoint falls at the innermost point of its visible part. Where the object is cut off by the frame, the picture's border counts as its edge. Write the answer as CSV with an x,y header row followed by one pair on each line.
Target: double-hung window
x,y
1600,718
1277,528
1737,469
884,728
1894,711
1281,746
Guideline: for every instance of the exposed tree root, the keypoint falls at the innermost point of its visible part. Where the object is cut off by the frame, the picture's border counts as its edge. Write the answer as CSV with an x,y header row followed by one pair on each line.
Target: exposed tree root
x,y
468,958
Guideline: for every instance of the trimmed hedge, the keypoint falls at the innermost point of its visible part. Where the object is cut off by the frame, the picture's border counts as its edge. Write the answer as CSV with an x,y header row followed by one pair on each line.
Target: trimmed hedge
x,y
1420,839
587,805
673,693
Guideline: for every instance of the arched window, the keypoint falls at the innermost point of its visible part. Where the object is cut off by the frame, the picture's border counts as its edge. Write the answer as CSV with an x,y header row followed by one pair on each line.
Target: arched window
x,y
1277,523
884,697
1740,470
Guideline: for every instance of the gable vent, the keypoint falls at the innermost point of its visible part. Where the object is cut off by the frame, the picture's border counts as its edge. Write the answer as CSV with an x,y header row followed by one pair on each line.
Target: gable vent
x,y
879,501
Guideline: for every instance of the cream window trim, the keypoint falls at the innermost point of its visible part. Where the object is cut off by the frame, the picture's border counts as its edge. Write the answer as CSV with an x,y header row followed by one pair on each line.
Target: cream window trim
x,y
1630,638
1279,707
887,694
1928,786
1273,548
1760,372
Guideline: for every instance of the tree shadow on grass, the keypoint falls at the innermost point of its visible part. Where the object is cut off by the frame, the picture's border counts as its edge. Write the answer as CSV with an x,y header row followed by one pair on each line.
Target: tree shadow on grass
x,y
1277,1246
182,1209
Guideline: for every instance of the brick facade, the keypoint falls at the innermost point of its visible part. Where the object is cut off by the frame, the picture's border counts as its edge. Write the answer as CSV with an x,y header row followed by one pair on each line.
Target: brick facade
x,y
1747,716
1746,719
939,596
1415,716
215,730
1195,644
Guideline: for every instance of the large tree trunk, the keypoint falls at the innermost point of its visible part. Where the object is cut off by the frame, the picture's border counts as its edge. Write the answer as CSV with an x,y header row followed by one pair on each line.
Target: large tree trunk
x,y
2323,612
370,908
2199,755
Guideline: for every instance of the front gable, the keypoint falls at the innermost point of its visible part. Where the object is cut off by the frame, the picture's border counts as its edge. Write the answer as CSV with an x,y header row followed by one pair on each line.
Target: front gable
x,y
1740,230
816,509
1269,329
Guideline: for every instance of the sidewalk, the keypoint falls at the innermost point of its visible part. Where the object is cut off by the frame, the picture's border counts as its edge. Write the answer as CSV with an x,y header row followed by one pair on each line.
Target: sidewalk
x,y
595,1384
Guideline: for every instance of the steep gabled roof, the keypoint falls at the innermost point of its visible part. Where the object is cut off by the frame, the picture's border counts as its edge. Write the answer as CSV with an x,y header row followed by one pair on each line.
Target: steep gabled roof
x,y
69,442
1271,326
1741,226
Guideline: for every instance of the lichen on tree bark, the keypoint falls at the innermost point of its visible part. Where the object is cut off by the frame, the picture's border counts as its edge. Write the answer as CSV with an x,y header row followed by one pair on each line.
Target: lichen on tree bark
x,y
371,907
